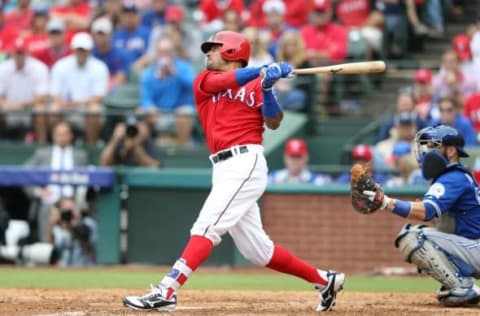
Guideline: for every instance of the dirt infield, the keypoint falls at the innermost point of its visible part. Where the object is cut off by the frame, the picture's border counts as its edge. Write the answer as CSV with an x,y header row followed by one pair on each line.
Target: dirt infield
x,y
213,303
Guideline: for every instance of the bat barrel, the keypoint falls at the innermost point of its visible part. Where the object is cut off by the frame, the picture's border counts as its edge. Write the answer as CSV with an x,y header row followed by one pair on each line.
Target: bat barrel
x,y
346,68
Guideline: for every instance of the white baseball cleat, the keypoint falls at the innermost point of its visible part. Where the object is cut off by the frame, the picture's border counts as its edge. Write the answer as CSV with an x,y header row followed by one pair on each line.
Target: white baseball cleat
x,y
154,300
329,292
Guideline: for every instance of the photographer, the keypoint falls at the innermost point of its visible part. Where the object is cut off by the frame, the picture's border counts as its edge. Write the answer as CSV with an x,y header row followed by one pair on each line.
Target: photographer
x,y
131,145
73,234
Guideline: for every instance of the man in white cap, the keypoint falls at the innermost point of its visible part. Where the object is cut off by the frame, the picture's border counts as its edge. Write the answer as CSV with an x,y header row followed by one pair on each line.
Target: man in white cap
x,y
117,60
57,45
78,83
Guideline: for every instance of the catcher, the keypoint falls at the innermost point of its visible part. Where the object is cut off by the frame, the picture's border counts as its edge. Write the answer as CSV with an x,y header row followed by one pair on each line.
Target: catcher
x,y
450,252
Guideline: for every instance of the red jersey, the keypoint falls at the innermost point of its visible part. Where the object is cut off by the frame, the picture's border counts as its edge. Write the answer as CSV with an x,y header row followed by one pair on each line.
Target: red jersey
x,y
37,42
230,114
296,14
472,110
21,21
49,56
213,9
331,39
353,13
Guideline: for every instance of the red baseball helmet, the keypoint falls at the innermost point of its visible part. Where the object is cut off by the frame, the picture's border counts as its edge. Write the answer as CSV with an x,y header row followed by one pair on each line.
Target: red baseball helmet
x,y
235,47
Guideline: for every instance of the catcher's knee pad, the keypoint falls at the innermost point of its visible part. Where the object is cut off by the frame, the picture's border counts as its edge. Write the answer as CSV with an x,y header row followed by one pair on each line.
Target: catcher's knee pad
x,y
428,257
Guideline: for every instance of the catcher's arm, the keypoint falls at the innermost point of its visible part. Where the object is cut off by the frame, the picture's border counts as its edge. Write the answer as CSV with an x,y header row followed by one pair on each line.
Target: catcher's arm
x,y
368,197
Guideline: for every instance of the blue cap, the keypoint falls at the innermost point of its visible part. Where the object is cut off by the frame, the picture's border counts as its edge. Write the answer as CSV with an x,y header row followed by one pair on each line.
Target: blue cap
x,y
40,11
401,148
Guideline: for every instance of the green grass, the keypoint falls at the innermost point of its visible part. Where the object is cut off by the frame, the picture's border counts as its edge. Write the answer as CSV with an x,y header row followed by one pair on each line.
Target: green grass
x,y
205,280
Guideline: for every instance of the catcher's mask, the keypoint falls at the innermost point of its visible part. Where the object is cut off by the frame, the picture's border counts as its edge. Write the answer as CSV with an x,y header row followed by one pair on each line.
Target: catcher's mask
x,y
432,138
428,142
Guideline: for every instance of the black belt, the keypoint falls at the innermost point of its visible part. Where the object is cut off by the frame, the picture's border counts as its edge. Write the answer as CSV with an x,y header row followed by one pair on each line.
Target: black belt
x,y
226,154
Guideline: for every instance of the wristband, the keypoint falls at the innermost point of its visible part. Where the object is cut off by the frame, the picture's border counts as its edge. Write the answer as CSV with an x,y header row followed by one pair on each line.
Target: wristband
x,y
270,108
244,75
402,208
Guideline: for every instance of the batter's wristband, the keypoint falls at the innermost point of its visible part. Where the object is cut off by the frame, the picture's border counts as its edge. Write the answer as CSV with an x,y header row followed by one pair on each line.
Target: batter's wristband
x,y
402,208
270,108
245,75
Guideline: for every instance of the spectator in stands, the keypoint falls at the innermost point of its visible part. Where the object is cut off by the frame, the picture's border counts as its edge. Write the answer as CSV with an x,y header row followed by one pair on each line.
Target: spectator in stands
x,y
461,47
73,233
472,112
57,46
404,104
232,21
451,115
425,105
325,40
362,154
186,40
296,13
36,36
274,11
131,36
404,162
21,16
296,93
364,25
403,130
452,81
259,54
395,27
61,155
296,169
326,44
8,33
131,145
74,14
23,87
155,15
117,60
166,94
78,84
212,11
112,10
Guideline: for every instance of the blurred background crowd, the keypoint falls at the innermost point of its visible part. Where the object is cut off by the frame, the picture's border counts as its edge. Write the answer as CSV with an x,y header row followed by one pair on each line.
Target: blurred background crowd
x,y
117,75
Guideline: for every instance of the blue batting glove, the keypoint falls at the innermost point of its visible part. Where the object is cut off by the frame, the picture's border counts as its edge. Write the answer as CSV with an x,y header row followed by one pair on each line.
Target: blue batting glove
x,y
285,68
271,74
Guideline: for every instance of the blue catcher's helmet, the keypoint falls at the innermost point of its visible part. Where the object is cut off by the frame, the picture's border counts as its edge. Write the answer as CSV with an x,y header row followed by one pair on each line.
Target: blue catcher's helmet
x,y
430,138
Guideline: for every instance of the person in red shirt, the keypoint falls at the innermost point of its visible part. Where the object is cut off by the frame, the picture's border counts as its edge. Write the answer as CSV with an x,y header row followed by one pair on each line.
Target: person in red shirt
x,y
472,111
296,13
57,46
75,14
362,22
8,33
422,93
21,17
326,43
213,11
37,37
234,102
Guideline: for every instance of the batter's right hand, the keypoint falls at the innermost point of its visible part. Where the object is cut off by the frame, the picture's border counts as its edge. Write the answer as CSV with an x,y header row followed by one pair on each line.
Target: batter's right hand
x,y
285,68
271,74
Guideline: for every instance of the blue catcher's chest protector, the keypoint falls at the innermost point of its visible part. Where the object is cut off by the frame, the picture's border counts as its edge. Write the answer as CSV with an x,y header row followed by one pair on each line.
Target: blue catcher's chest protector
x,y
456,192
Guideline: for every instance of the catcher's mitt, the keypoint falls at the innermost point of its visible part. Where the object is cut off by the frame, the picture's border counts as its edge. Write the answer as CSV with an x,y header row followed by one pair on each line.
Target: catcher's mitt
x,y
359,183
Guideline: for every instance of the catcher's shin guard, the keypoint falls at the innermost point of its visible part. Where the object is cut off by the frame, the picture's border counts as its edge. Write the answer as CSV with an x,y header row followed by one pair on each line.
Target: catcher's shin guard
x,y
431,259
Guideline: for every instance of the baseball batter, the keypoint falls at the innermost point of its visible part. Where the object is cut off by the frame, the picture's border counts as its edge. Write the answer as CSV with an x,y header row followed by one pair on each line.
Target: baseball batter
x,y
450,253
234,103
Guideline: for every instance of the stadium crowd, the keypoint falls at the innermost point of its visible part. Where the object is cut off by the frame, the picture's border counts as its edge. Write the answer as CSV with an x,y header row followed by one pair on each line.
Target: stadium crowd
x,y
63,62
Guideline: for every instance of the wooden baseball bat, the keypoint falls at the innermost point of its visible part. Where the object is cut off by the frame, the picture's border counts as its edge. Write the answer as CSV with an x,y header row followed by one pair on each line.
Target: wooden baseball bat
x,y
363,67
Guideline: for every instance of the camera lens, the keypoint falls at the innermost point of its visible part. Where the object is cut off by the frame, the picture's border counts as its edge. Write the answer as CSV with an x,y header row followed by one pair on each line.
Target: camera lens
x,y
132,131
66,215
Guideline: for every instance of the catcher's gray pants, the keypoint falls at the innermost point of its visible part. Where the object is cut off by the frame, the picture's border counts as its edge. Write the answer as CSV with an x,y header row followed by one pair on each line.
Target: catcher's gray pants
x,y
449,257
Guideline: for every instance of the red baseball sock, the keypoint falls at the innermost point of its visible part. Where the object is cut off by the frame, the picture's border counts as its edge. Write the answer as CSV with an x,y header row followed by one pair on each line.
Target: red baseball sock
x,y
196,251
285,262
